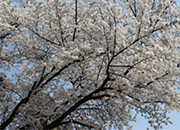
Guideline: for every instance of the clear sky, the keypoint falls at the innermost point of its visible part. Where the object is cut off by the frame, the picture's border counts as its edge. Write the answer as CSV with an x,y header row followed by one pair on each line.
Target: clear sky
x,y
142,123
174,117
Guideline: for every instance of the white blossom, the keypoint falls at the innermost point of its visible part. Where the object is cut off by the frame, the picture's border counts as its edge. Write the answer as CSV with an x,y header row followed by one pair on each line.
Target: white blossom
x,y
86,64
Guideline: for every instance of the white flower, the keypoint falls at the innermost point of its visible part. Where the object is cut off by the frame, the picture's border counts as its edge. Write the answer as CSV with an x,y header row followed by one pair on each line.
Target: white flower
x,y
159,8
67,54
74,57
123,45
130,100
118,102
149,54
141,102
104,23
99,50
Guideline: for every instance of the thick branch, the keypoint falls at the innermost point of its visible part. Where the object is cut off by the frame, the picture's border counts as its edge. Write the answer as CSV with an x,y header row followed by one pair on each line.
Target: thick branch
x,y
57,73
15,111
25,100
58,121
139,38
4,36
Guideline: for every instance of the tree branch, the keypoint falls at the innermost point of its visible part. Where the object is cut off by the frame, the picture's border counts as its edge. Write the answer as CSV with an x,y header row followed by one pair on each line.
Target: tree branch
x,y
15,111
82,124
74,34
127,71
100,96
58,121
25,100
57,73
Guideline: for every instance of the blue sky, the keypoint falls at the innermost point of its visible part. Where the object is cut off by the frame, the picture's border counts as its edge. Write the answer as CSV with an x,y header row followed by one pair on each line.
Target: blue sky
x,y
174,117
142,123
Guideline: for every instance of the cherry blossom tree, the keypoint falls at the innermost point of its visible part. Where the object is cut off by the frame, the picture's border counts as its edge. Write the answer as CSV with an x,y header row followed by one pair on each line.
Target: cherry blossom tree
x,y
88,64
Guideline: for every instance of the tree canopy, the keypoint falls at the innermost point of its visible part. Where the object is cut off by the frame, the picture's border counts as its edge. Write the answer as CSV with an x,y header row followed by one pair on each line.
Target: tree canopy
x,y
88,64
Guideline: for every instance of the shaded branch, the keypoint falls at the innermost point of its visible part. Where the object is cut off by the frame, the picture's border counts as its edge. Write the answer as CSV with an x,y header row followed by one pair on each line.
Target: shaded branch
x,y
82,124
132,10
44,37
57,73
53,68
25,127
127,71
58,121
4,36
100,96
139,38
74,34
15,111
25,100
157,78
147,101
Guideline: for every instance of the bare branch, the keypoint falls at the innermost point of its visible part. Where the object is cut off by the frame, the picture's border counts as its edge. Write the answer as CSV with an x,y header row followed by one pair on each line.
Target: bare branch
x,y
76,8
